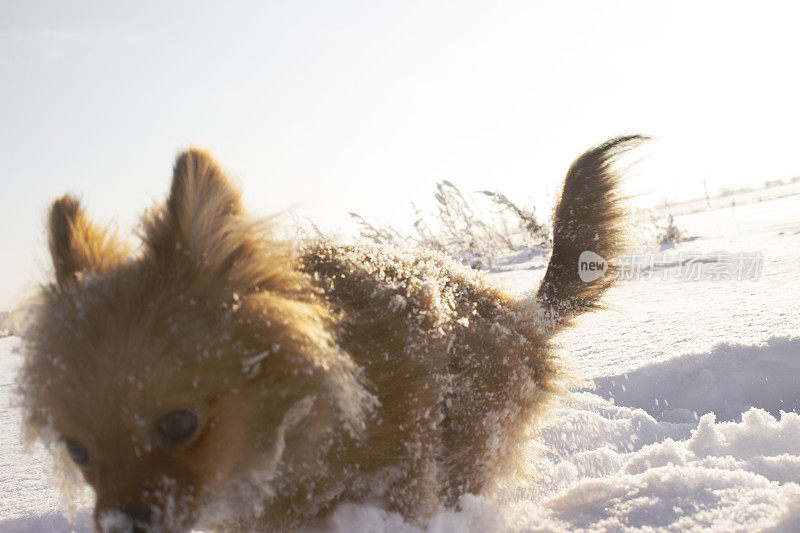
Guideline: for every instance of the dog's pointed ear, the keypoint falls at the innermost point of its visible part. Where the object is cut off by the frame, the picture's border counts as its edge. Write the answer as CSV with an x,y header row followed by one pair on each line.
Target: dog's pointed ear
x,y
201,199
77,246
200,219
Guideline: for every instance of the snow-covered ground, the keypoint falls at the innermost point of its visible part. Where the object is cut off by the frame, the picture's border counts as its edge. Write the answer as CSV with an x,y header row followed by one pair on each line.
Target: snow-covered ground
x,y
686,420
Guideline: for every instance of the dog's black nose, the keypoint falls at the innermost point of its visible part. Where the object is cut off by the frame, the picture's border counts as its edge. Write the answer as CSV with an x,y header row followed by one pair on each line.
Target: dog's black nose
x,y
139,515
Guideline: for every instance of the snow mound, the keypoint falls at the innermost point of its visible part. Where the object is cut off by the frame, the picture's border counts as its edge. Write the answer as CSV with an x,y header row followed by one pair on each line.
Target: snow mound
x,y
639,474
609,468
725,381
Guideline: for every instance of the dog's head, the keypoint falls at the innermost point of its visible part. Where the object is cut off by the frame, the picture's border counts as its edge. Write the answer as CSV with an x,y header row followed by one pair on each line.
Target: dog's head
x,y
168,374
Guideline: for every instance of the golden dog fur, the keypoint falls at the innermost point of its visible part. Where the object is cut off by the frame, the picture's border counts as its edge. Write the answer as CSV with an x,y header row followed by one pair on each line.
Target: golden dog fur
x,y
314,373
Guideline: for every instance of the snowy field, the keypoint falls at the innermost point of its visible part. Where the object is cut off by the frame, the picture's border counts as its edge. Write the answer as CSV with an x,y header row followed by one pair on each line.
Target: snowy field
x,y
686,418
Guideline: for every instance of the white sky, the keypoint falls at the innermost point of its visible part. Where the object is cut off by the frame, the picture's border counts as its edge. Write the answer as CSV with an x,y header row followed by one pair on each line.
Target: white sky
x,y
330,107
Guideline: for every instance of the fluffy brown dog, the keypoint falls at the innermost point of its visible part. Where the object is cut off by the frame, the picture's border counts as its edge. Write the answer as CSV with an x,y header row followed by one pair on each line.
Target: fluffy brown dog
x,y
223,376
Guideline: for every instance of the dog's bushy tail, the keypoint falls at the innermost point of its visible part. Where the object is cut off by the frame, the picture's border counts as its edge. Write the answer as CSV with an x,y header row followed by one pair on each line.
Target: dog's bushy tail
x,y
588,218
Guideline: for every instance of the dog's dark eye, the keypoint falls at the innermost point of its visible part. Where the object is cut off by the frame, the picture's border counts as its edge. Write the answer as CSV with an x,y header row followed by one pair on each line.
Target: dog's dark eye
x,y
77,452
177,427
